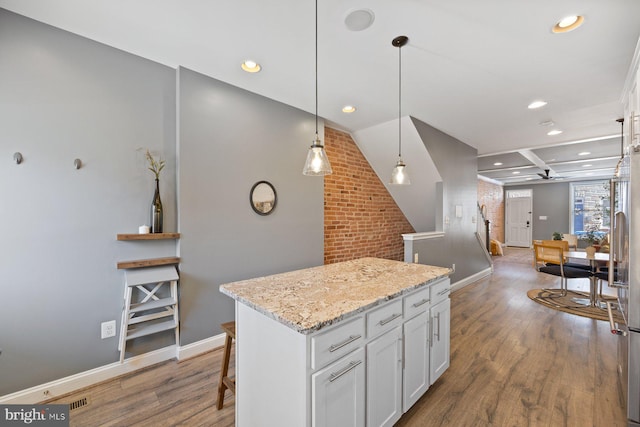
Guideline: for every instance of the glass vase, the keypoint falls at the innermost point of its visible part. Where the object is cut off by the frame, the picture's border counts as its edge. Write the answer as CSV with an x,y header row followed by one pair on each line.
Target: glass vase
x,y
156,211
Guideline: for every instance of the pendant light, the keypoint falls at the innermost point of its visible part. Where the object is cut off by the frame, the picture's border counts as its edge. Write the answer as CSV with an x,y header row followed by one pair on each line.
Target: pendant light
x,y
317,163
399,175
619,165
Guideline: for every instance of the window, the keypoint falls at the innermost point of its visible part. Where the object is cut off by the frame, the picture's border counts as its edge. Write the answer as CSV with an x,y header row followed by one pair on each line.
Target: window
x,y
512,194
590,209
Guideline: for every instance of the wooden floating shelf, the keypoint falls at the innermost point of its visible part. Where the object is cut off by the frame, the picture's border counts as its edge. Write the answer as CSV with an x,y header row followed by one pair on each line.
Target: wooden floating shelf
x,y
153,262
149,236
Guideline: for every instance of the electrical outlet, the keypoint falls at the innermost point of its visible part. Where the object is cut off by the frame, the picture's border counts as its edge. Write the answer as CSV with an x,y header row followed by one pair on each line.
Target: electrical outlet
x,y
453,267
108,329
415,258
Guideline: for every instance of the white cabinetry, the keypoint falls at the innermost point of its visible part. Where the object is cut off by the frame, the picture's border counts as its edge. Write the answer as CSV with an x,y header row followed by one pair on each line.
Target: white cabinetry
x,y
440,331
364,370
416,359
338,392
384,379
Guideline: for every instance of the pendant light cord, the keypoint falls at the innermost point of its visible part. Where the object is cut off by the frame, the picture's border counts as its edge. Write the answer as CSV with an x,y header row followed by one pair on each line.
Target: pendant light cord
x,y
316,67
399,102
621,137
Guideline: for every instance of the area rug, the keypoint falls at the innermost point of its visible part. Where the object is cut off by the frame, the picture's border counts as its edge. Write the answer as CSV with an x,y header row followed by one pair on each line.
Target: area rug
x,y
568,304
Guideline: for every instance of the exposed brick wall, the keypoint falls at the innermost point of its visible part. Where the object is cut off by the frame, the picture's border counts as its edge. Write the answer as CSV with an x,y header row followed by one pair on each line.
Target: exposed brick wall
x,y
360,216
492,196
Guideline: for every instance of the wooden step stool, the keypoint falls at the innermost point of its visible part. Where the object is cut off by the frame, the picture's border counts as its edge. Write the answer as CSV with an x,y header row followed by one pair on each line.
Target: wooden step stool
x,y
225,382
152,313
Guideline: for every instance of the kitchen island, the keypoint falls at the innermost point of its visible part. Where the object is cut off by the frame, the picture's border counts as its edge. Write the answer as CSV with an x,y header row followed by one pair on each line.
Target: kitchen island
x,y
351,343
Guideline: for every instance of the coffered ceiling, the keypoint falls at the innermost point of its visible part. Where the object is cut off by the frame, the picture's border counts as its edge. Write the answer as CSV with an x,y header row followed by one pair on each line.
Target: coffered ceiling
x,y
591,159
470,67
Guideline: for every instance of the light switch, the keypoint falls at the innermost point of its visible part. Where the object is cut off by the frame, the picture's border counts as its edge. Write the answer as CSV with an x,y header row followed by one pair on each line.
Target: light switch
x,y
542,218
458,211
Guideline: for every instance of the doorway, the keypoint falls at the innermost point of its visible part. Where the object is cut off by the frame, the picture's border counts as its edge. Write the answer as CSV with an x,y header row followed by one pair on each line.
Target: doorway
x,y
518,230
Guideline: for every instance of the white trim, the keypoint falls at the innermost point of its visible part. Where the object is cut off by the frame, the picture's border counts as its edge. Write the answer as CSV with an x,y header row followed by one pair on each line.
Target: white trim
x,y
88,378
199,347
490,180
631,74
423,236
471,279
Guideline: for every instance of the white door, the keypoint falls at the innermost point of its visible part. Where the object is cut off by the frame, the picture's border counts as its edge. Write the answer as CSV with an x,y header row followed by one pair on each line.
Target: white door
x,y
339,393
518,221
440,332
384,379
416,360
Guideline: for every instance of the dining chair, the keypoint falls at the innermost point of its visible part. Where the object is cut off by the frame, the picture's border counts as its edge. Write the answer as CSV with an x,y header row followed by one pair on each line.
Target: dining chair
x,y
550,259
603,275
565,245
572,240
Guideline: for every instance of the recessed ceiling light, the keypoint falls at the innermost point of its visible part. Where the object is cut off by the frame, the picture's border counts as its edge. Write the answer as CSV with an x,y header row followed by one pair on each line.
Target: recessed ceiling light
x,y
358,20
584,153
516,172
568,23
547,123
348,109
586,166
497,164
528,179
251,66
536,104
554,132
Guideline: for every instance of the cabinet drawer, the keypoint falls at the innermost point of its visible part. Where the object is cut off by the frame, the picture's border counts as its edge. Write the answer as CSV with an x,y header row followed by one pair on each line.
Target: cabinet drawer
x,y
384,318
440,291
336,342
416,302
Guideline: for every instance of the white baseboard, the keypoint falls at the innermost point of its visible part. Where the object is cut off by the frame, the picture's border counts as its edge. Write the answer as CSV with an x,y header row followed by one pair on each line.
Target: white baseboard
x,y
471,279
88,378
199,347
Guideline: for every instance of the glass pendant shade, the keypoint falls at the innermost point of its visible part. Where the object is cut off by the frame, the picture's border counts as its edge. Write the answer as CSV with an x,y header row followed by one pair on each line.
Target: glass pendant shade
x,y
399,175
317,163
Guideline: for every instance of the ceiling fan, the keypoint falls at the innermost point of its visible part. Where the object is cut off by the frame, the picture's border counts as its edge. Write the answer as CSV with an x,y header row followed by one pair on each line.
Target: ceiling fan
x,y
545,175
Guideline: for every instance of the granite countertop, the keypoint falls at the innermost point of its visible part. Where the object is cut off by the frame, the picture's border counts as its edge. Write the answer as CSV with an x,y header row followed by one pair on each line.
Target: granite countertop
x,y
307,300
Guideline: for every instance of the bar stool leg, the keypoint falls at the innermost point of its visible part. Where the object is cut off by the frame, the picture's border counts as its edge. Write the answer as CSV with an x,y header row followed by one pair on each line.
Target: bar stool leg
x,y
223,371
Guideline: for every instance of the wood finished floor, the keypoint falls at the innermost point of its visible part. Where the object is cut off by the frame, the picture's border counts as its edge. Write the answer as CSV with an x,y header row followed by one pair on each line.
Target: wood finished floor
x,y
513,363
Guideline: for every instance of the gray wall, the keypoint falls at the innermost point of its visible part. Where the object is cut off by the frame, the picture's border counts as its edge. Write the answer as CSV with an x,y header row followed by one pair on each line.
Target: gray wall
x,y
457,165
551,200
64,97
230,139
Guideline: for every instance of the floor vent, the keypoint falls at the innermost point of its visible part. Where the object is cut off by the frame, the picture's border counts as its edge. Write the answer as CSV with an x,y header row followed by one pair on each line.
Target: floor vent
x,y
78,403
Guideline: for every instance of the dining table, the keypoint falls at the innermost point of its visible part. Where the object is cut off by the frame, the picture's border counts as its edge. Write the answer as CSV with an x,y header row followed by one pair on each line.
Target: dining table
x,y
594,259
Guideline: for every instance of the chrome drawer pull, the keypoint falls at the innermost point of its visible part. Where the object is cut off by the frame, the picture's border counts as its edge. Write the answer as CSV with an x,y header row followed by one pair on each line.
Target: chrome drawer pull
x,y
334,376
390,319
612,325
349,340
419,303
444,291
437,334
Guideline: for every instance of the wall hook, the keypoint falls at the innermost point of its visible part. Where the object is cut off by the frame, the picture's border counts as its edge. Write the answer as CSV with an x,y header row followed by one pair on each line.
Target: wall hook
x,y
17,157
77,163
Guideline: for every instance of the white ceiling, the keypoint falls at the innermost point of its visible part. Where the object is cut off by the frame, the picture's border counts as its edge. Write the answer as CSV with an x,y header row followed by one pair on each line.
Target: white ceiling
x,y
470,68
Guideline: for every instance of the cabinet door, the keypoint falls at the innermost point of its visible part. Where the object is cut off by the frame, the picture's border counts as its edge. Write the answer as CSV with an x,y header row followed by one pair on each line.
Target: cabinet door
x,y
384,379
440,318
338,393
416,360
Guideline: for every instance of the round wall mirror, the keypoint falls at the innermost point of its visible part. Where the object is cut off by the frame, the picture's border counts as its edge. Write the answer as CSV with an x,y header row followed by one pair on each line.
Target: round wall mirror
x,y
263,198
